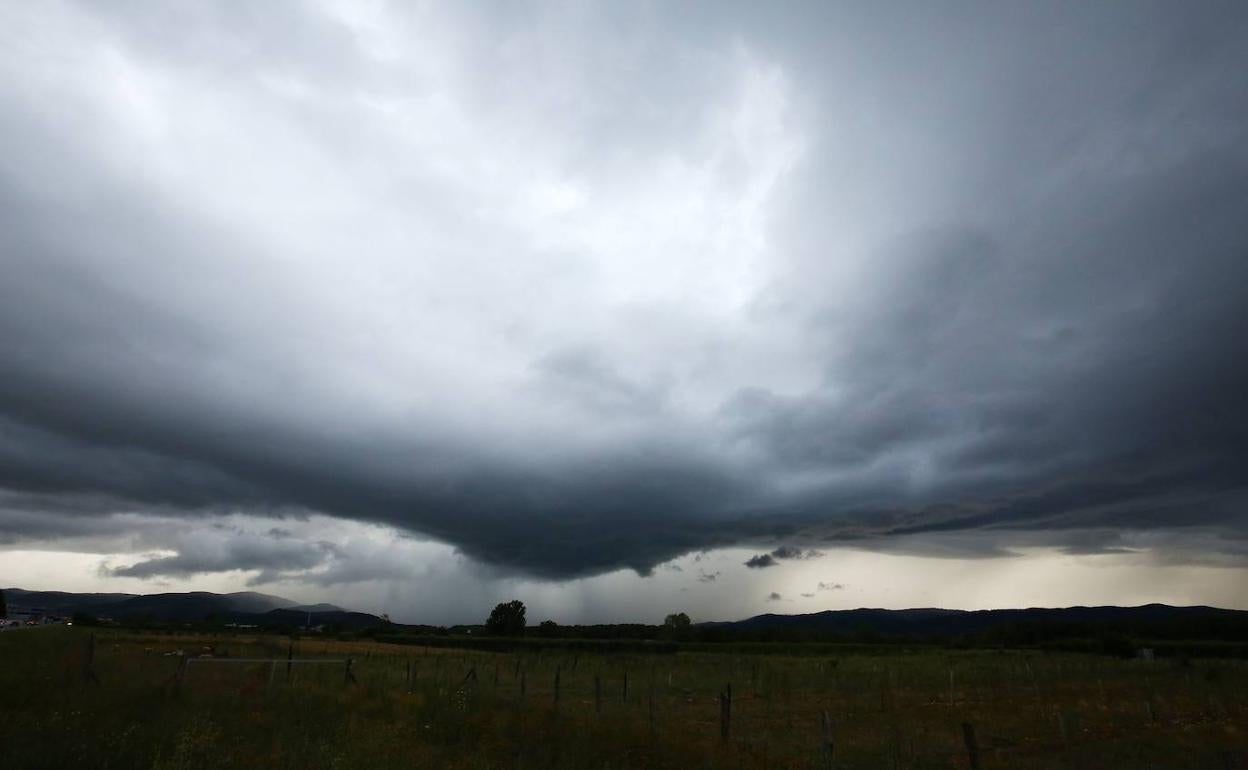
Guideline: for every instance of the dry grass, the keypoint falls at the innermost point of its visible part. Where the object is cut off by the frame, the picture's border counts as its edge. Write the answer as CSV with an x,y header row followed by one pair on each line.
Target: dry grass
x,y
898,711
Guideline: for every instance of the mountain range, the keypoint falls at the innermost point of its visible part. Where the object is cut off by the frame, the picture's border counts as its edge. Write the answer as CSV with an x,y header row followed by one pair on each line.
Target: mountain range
x,y
1150,620
250,608
245,607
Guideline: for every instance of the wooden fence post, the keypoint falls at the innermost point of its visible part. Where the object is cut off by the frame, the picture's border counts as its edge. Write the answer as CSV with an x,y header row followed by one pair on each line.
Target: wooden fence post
x,y
557,672
829,747
972,747
625,693
177,677
290,656
88,669
522,684
597,694
348,676
725,712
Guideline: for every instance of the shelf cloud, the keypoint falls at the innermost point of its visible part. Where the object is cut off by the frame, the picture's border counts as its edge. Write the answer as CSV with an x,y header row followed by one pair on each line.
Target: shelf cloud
x,y
585,288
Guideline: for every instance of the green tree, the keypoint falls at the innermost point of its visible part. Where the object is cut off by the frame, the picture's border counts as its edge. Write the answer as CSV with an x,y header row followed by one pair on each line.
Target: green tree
x,y
548,629
507,619
677,621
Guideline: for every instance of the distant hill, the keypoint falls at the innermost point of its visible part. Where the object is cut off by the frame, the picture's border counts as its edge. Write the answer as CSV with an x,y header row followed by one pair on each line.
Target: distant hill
x,y
322,607
292,617
59,601
1020,626
171,606
1159,619
246,607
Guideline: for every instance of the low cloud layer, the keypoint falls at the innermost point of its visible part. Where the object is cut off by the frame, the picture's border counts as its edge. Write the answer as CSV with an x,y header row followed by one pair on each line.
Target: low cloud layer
x,y
764,560
578,290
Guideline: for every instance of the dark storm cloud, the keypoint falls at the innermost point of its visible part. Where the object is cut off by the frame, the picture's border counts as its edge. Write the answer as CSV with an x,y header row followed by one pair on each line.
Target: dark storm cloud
x,y
763,560
239,553
774,597
787,552
791,552
999,299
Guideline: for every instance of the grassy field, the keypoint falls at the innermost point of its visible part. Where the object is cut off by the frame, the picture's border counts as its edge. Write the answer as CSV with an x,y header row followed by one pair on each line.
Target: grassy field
x,y
443,708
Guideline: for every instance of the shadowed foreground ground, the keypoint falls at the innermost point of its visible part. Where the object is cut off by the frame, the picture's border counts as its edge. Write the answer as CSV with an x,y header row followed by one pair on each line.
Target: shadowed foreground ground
x,y
419,707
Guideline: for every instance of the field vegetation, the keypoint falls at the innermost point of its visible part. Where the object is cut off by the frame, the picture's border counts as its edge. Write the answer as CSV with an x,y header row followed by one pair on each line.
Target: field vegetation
x,y
115,698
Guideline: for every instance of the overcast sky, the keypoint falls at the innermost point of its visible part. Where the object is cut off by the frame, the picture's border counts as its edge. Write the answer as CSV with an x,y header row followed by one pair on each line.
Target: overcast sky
x,y
622,309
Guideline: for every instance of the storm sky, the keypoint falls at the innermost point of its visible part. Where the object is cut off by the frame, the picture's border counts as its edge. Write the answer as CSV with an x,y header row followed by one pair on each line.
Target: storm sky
x,y
624,309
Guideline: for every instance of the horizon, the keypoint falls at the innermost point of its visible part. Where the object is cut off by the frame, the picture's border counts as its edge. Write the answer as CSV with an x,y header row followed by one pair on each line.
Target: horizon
x,y
625,311
534,622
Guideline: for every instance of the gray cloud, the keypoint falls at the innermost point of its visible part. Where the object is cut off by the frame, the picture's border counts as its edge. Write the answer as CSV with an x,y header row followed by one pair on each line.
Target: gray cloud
x,y
774,597
761,561
791,552
585,291
764,560
787,552
238,552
